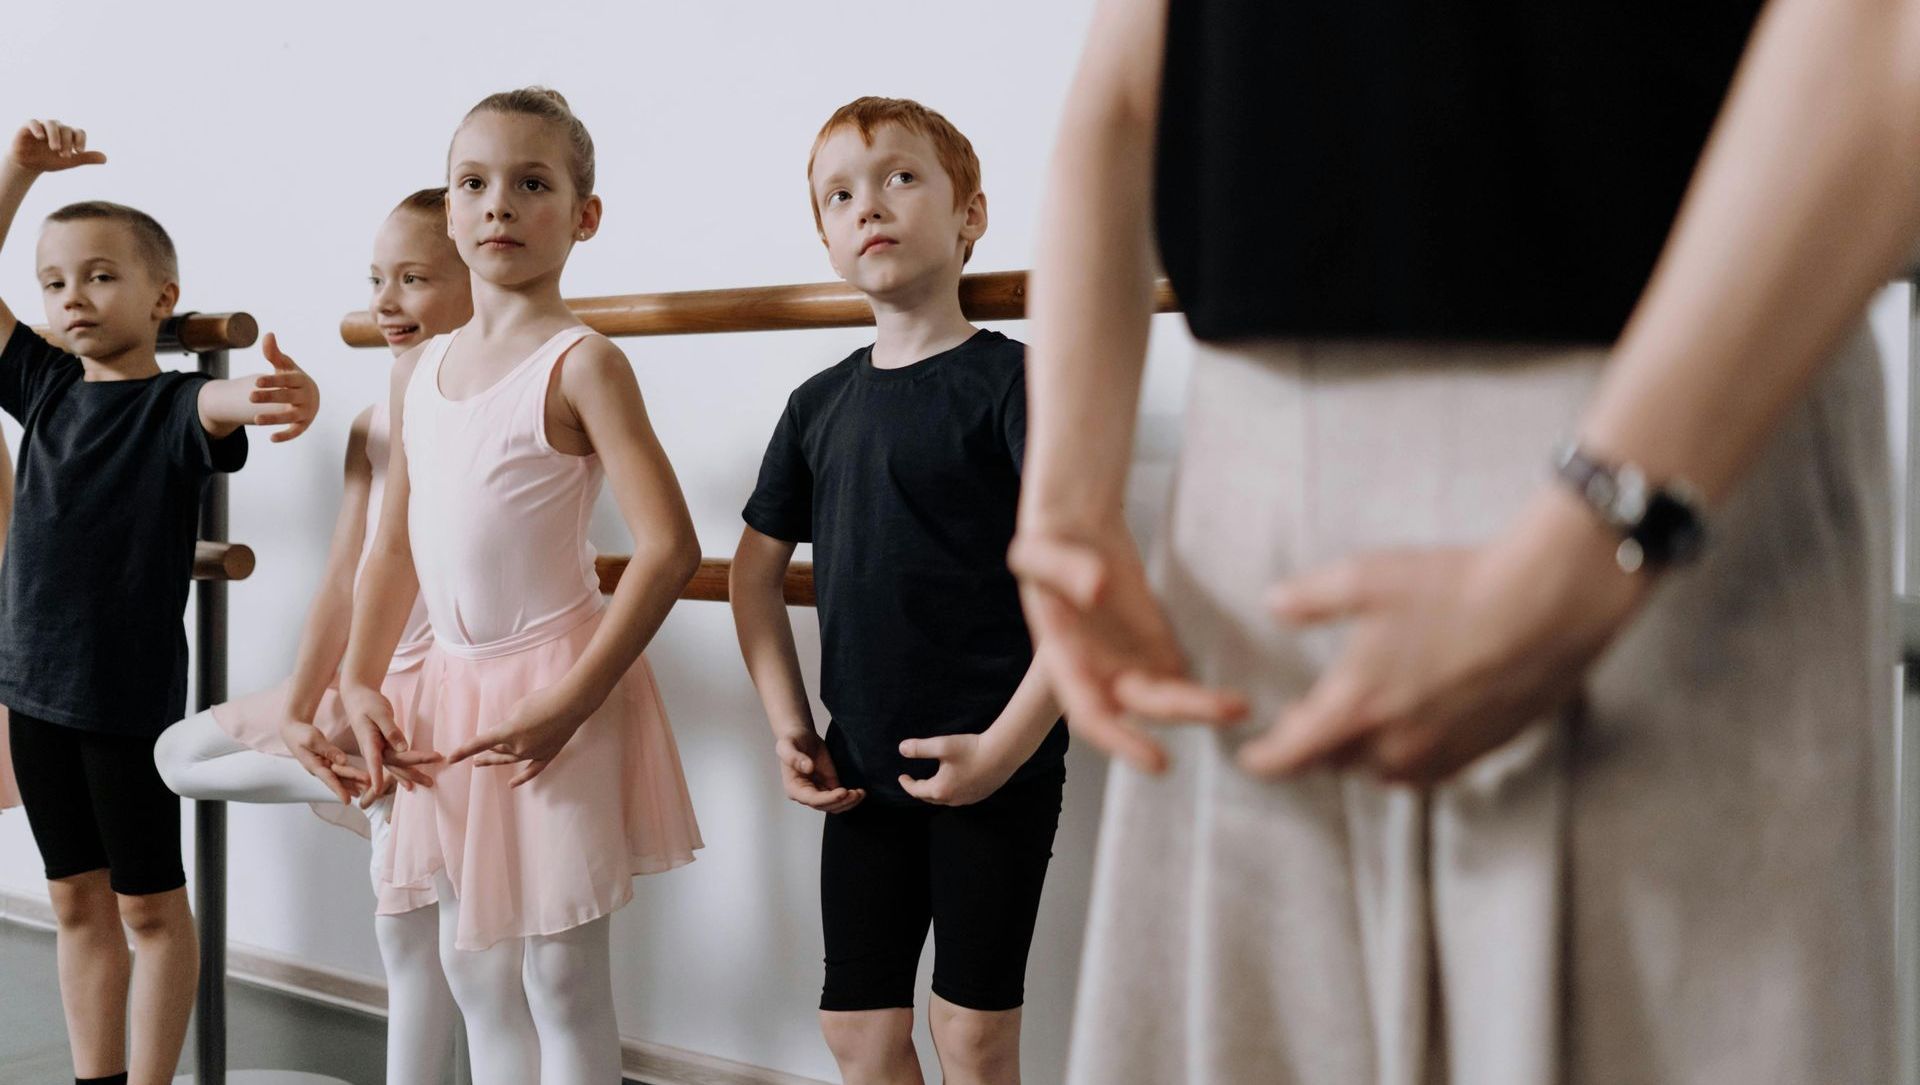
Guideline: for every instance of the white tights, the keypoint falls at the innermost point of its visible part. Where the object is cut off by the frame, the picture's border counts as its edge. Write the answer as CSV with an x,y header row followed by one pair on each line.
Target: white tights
x,y
538,1009
200,761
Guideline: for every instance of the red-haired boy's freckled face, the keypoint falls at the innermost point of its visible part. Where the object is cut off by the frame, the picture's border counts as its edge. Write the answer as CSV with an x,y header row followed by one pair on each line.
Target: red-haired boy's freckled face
x,y
420,287
887,210
512,210
101,297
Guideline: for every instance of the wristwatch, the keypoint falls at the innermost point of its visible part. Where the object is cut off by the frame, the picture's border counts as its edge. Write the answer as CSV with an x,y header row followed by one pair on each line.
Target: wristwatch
x,y
1659,526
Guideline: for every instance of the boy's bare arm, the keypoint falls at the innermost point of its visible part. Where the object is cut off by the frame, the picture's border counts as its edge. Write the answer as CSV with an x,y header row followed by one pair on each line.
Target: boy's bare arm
x,y
285,397
756,588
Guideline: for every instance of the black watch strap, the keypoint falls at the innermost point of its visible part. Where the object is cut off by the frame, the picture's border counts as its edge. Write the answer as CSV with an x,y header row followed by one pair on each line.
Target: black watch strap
x,y
1659,525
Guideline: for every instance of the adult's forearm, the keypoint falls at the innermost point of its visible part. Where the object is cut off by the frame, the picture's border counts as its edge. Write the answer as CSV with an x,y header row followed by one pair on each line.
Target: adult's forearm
x,y
1807,199
1091,301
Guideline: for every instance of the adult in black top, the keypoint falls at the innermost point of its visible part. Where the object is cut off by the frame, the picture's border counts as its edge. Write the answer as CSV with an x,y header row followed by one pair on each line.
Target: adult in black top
x,y
100,557
1418,170
905,482
1454,837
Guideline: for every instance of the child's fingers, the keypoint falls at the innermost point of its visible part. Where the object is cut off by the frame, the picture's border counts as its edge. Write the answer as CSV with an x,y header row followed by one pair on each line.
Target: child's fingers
x,y
322,772
534,768
279,394
288,434
493,758
38,129
409,774
277,418
295,379
924,790
935,748
376,769
480,743
803,792
270,347
851,800
413,757
794,760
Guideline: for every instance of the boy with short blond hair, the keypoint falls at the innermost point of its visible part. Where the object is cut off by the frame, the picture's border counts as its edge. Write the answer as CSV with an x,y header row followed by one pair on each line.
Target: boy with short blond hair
x,y
114,455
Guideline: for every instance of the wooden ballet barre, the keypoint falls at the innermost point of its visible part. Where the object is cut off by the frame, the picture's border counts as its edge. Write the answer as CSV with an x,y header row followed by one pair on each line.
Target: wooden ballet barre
x,y
192,333
197,333
222,561
993,295
709,585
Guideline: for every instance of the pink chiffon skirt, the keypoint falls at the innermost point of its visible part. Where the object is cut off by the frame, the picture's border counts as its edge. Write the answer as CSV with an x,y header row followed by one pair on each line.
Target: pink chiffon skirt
x,y
562,849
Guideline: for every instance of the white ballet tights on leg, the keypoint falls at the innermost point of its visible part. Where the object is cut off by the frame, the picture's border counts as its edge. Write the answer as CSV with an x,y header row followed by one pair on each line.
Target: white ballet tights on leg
x,y
537,1009
501,1042
569,980
420,1011
200,761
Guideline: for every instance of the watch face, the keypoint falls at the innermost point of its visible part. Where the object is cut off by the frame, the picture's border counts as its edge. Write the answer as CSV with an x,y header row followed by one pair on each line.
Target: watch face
x,y
1669,532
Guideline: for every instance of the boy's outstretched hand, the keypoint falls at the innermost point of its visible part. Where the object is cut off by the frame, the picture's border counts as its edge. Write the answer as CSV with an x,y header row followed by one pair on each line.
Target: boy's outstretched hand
x,y
289,387
49,146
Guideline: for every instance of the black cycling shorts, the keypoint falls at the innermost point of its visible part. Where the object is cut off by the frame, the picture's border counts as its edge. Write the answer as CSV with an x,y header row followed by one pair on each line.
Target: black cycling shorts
x,y
974,873
96,802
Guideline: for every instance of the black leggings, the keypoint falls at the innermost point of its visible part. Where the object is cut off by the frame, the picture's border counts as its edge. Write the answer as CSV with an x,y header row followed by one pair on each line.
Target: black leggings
x,y
96,802
974,873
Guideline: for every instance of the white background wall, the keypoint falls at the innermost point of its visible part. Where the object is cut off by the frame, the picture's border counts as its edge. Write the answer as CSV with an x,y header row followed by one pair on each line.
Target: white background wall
x,y
272,140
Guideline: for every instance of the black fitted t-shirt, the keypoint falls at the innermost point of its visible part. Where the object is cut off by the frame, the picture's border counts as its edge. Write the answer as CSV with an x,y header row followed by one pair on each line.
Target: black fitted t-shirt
x,y
1405,169
99,558
906,481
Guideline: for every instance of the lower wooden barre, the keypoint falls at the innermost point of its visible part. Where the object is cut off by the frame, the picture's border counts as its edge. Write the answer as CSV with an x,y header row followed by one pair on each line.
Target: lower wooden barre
x,y
222,561
709,585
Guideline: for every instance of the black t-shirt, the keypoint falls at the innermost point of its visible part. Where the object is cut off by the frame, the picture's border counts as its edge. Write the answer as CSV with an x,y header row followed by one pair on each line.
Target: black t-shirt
x,y
1404,169
906,482
99,559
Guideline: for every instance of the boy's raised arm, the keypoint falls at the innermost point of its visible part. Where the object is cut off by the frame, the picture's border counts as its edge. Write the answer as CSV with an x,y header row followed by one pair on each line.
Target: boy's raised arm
x,y
38,147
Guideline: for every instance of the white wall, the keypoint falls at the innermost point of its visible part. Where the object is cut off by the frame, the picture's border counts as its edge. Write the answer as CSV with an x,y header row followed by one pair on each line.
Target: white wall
x,y
272,139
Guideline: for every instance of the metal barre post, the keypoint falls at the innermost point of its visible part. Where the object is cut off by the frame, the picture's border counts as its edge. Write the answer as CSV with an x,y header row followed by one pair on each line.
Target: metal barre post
x,y
210,818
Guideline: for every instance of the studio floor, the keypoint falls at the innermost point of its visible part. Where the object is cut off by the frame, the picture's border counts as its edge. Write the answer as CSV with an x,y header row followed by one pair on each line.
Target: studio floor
x,y
265,1029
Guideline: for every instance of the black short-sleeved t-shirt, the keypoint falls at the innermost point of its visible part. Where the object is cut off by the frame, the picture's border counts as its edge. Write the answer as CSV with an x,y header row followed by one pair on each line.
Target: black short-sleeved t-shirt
x,y
906,483
1404,169
100,555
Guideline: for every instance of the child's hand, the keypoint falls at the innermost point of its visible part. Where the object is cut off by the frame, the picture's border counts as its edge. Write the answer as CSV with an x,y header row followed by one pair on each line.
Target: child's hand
x,y
970,769
288,384
1106,645
535,732
327,762
381,743
807,772
49,146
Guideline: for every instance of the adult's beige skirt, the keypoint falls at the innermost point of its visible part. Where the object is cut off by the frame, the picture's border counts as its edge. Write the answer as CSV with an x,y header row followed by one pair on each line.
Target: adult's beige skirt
x,y
1685,877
